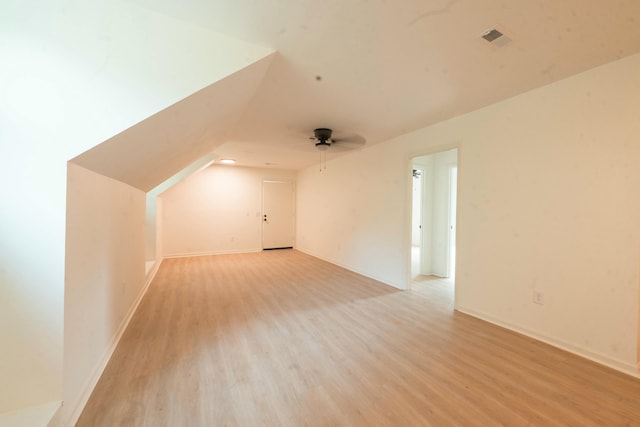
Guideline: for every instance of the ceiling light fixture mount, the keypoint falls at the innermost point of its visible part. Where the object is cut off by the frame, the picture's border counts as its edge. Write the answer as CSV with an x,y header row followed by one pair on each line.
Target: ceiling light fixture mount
x,y
323,136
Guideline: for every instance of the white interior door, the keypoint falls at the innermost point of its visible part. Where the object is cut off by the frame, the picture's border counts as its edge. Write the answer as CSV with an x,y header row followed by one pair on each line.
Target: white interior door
x,y
278,218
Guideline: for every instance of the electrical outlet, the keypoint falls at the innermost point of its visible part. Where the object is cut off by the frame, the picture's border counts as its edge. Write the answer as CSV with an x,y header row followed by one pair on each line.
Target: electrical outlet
x,y
538,298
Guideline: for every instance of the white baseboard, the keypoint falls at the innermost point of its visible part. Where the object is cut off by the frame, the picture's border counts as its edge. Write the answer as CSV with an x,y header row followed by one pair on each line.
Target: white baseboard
x,y
346,267
148,266
79,405
618,365
194,254
33,416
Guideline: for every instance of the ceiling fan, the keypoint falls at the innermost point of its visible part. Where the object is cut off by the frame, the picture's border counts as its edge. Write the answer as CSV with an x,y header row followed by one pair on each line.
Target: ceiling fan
x,y
325,140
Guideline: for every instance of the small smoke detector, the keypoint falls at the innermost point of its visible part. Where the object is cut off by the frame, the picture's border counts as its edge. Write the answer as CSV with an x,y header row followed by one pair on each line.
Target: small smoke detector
x,y
496,37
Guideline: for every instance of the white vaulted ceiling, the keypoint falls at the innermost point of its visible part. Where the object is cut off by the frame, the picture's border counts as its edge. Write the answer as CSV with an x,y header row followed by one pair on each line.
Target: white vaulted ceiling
x,y
380,69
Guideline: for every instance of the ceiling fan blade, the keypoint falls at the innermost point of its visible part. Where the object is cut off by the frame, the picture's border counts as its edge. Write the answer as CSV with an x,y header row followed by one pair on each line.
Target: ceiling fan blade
x,y
348,142
307,144
339,142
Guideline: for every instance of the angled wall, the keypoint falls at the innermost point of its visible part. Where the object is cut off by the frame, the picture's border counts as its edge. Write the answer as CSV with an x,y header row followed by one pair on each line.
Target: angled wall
x,y
140,158
148,157
162,145
71,78
153,249
548,202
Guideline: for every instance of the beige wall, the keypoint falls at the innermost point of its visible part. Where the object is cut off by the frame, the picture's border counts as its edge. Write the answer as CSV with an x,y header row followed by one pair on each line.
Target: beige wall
x,y
105,275
217,210
354,213
548,201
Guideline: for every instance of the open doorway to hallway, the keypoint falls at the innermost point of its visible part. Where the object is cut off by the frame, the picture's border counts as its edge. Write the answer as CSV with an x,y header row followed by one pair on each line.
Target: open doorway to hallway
x,y
433,219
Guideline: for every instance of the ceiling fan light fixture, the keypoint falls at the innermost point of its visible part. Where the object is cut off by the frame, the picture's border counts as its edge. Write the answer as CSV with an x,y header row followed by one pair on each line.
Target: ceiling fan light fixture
x,y
323,145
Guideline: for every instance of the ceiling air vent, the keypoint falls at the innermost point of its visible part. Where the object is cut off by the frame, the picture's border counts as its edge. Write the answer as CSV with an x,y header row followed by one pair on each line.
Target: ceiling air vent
x,y
492,35
496,37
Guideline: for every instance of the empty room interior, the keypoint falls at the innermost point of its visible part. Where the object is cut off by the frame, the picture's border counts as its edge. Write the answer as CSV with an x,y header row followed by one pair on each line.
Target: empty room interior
x,y
320,213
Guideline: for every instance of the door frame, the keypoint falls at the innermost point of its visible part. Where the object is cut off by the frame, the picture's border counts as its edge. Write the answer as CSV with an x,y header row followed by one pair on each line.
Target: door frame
x,y
409,210
422,202
452,225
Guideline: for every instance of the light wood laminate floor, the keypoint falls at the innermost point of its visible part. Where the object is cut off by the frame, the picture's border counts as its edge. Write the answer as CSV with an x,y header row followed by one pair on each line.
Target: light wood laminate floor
x,y
280,338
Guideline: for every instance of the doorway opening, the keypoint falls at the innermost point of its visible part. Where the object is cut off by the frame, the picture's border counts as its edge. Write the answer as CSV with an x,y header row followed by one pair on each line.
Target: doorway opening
x,y
433,216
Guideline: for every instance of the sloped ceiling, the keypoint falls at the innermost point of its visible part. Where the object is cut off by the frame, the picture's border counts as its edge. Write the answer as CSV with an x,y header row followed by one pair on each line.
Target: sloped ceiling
x,y
157,148
379,68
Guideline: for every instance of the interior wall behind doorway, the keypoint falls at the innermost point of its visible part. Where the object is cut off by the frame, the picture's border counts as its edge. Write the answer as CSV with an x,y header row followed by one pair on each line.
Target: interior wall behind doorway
x,y
437,236
217,210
